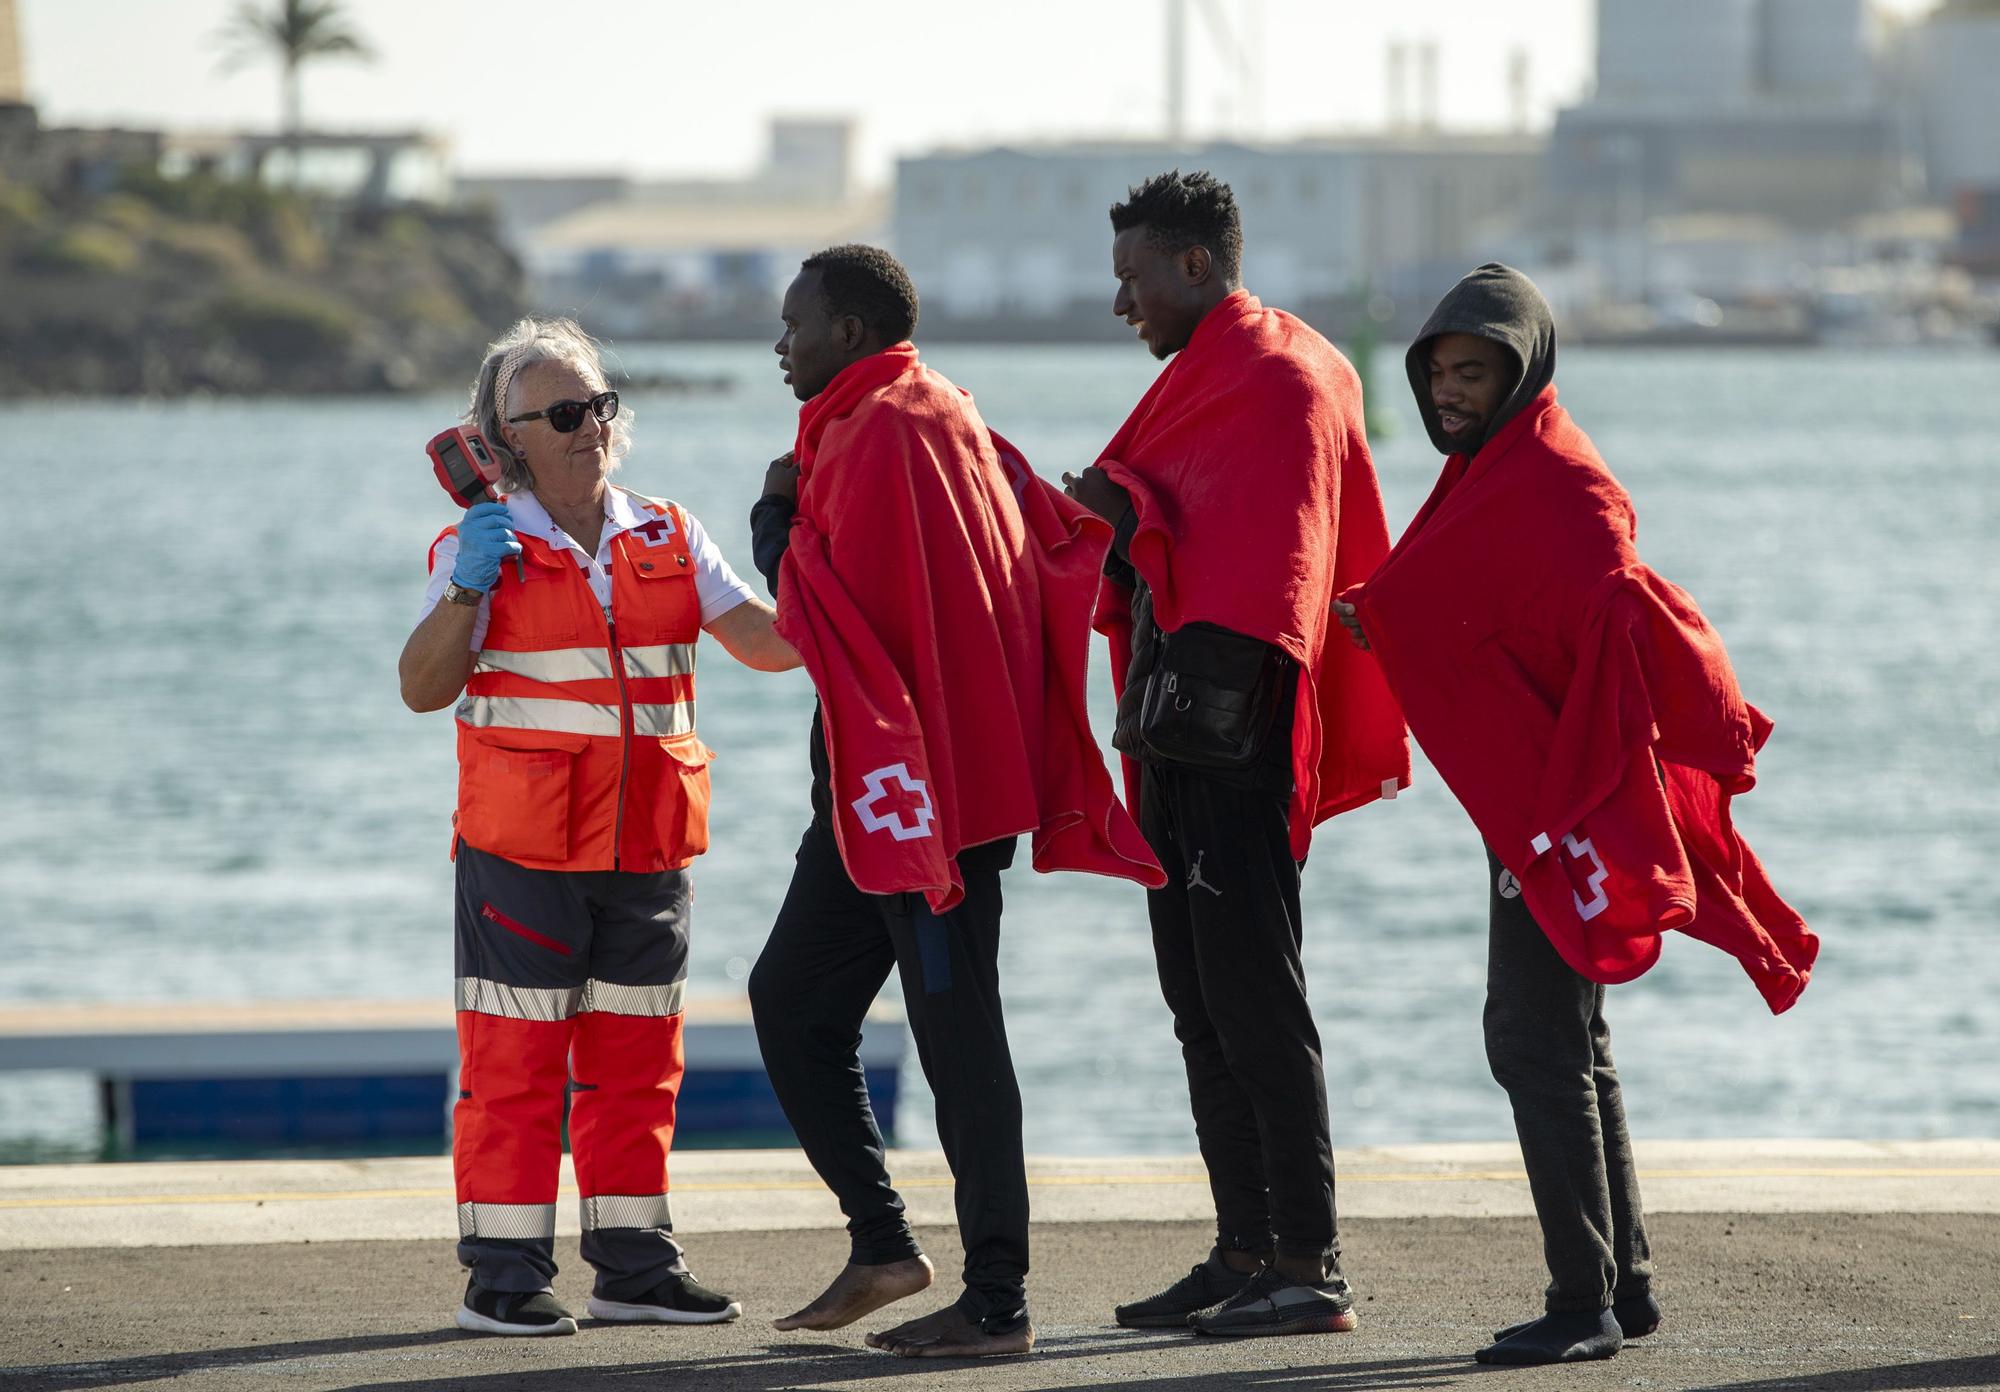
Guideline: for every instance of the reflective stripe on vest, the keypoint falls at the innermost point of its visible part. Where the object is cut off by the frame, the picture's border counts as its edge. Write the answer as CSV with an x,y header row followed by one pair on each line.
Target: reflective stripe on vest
x,y
589,664
577,746
664,720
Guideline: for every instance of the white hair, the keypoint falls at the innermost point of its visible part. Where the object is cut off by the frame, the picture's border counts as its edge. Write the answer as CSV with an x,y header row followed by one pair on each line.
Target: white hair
x,y
531,341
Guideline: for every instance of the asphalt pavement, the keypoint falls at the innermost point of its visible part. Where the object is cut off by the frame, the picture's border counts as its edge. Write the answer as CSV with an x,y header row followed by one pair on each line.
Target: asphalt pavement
x,y
1754,1303
1782,1265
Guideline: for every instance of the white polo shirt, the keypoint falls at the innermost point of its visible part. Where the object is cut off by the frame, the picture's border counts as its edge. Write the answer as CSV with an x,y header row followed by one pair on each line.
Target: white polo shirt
x,y
716,586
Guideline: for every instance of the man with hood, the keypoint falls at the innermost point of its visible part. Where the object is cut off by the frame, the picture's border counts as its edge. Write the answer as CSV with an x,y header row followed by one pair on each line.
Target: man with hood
x,y
1245,500
939,595
1586,715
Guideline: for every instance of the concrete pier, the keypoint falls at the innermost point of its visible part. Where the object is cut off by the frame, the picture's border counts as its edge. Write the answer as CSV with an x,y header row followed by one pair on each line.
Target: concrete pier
x,y
1783,1264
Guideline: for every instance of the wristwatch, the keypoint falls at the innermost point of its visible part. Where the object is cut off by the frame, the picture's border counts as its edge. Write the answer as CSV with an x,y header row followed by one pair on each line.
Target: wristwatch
x,y
455,593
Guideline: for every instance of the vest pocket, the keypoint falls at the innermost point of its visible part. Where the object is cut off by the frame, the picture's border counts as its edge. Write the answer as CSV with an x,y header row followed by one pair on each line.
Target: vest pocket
x,y
680,817
513,793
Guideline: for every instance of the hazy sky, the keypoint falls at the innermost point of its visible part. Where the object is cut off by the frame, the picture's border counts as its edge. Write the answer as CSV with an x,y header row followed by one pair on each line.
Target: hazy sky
x,y
678,87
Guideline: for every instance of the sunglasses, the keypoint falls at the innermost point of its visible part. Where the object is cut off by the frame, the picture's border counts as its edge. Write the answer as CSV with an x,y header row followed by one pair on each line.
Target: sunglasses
x,y
566,416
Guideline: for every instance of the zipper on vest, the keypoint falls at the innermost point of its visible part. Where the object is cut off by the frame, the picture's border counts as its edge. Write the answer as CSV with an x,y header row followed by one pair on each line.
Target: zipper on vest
x,y
624,736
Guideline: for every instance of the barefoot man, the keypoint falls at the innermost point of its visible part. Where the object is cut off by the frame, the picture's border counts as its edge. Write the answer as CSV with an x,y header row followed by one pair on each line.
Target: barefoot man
x,y
939,594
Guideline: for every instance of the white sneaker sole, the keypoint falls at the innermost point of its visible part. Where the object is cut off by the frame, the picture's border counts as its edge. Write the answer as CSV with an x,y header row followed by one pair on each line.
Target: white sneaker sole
x,y
483,1324
1314,1322
619,1311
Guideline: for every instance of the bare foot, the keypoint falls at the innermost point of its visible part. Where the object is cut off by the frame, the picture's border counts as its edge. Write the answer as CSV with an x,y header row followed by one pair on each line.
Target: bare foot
x,y
949,1334
860,1290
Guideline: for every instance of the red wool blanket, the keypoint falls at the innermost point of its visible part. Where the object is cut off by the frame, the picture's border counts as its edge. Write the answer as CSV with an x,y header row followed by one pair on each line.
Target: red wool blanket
x,y
939,593
1257,504
1581,708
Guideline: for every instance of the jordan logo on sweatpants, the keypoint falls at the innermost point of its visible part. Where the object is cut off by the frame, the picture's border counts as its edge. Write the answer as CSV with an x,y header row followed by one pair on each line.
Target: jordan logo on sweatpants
x,y
1194,877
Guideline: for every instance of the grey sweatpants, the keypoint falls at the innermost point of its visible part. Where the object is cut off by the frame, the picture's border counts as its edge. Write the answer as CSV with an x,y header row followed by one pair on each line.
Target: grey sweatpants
x,y
1549,1047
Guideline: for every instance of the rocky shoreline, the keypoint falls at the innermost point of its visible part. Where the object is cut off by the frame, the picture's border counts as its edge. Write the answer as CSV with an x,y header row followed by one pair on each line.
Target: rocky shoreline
x,y
177,287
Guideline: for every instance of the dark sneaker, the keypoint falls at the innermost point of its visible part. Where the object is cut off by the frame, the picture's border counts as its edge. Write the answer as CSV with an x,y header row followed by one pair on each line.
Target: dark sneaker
x,y
1206,1285
680,1299
513,1312
1275,1304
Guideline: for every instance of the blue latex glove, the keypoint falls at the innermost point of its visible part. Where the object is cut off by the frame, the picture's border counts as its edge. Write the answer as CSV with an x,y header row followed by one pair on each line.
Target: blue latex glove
x,y
485,539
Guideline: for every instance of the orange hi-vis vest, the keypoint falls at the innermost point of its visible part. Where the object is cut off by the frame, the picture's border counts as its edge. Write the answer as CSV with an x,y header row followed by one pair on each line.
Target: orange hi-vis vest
x,y
576,742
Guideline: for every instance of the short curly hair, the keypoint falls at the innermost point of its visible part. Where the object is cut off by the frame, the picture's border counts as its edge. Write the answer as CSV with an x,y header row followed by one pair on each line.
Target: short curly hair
x,y
868,283
1180,211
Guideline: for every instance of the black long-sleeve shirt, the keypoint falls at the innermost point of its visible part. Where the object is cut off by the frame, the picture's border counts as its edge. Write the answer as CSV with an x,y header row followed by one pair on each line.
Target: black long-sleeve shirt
x,y
770,537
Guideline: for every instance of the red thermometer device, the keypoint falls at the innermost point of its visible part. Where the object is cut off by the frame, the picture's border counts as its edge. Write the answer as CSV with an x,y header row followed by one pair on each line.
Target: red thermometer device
x,y
465,467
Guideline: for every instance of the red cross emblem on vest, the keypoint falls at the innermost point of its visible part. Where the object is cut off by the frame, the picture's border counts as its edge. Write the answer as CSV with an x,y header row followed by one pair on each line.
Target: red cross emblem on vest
x,y
655,531
895,803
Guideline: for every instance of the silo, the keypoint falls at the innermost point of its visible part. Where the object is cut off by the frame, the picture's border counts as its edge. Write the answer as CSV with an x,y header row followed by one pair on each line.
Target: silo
x,y
1817,51
1690,53
1958,53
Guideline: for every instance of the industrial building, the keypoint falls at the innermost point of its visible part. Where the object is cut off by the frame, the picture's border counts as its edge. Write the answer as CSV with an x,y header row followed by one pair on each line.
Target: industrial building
x,y
1952,61
371,168
1771,108
1015,242
60,158
687,257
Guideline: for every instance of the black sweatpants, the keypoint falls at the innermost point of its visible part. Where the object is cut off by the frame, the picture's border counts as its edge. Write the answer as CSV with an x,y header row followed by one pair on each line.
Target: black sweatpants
x,y
1226,933
828,956
1550,1048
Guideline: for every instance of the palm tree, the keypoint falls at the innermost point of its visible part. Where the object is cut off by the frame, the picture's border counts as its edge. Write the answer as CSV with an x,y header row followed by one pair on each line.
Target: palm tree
x,y
294,32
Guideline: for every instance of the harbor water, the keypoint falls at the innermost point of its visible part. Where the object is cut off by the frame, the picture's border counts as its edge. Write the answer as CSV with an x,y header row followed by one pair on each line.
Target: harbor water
x,y
211,790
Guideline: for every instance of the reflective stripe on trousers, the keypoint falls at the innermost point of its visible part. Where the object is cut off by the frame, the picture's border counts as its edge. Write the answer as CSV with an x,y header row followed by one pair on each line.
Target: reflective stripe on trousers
x,y
563,1003
624,1211
513,1222
526,1222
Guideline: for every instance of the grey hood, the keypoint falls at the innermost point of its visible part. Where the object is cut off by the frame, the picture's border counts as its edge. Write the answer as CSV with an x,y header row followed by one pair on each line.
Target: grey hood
x,y
1499,303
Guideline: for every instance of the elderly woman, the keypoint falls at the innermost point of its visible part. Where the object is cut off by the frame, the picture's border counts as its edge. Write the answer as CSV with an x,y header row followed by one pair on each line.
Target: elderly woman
x,y
567,619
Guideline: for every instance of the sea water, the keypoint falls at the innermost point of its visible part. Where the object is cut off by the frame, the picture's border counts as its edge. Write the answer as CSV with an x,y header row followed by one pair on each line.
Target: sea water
x,y
209,789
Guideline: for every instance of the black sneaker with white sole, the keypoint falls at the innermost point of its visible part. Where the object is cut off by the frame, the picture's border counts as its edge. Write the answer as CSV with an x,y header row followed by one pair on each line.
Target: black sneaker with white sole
x,y
679,1299
513,1312
1204,1286
1271,1303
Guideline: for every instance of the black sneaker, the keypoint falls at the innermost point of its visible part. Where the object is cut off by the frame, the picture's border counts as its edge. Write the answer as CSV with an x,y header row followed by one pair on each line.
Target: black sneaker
x,y
513,1312
1204,1286
679,1299
1275,1304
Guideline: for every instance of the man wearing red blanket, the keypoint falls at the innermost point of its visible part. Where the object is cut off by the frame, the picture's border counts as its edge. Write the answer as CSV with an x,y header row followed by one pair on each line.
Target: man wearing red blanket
x,y
1586,715
1245,499
939,595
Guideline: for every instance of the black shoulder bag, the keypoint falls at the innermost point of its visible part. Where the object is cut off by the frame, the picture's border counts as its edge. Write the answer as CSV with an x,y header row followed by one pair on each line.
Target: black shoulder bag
x,y
1211,697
